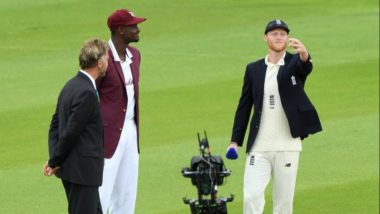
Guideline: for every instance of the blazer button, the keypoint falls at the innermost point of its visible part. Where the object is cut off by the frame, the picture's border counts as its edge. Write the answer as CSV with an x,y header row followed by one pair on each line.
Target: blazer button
x,y
257,126
120,129
124,110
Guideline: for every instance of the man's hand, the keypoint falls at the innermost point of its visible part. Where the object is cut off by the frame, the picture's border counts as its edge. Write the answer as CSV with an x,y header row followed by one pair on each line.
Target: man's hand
x,y
48,171
233,145
298,47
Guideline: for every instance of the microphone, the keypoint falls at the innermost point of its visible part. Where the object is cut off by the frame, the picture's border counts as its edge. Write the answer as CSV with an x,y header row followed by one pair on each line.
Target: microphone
x,y
232,154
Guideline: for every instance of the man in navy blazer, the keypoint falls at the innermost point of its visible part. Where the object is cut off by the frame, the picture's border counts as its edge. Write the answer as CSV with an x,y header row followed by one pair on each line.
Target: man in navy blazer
x,y
76,133
283,116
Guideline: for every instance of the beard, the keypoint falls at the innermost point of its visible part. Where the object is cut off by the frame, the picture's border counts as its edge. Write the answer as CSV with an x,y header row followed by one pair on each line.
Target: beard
x,y
135,39
131,38
277,47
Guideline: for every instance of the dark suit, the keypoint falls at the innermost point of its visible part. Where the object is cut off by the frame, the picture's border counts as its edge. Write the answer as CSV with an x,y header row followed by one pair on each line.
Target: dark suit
x,y
76,143
113,103
300,112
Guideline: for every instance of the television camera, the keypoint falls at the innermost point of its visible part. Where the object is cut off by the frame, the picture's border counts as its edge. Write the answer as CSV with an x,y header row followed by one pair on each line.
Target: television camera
x,y
207,172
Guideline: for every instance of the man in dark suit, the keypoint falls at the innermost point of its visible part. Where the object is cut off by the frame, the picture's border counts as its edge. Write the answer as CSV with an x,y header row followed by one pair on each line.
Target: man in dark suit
x,y
119,104
76,133
283,116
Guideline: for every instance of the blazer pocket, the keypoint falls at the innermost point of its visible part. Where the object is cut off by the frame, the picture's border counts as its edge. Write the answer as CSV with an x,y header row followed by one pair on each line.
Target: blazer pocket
x,y
307,118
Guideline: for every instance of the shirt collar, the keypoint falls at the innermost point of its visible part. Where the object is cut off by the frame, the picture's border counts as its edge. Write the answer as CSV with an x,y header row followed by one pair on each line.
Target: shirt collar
x,y
128,55
280,62
90,77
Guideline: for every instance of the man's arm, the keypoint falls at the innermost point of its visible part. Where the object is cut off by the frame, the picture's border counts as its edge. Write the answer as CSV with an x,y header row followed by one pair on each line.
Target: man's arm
x,y
52,141
305,64
243,111
53,132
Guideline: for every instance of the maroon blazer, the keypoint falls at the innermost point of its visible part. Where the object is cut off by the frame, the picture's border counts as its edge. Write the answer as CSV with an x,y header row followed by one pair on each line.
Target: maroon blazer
x,y
113,100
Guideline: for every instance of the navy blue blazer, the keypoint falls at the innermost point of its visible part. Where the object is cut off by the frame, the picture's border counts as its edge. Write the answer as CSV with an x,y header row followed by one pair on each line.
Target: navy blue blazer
x,y
76,134
302,116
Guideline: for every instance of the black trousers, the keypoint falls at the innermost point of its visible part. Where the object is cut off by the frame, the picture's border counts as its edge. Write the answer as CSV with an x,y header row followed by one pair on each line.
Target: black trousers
x,y
82,199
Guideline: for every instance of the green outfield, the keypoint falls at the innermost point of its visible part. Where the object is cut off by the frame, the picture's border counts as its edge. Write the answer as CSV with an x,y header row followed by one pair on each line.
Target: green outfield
x,y
193,58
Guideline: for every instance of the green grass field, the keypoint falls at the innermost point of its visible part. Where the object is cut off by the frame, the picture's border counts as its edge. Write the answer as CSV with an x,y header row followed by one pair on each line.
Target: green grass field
x,y
193,58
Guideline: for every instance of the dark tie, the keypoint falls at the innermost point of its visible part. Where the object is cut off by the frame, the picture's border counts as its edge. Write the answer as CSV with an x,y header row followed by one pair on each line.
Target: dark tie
x,y
97,94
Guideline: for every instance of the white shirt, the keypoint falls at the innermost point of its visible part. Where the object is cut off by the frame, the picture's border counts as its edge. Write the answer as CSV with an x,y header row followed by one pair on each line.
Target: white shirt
x,y
274,132
89,76
125,66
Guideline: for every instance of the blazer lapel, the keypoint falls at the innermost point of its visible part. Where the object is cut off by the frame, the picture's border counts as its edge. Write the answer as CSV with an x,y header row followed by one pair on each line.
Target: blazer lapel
x,y
282,68
135,71
261,76
134,66
117,65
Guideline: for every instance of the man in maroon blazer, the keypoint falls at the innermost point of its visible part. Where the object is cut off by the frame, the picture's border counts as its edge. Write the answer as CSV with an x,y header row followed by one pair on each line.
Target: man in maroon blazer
x,y
119,105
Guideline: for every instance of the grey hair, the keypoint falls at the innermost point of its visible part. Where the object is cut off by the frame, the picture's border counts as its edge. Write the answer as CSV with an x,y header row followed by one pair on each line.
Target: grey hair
x,y
91,51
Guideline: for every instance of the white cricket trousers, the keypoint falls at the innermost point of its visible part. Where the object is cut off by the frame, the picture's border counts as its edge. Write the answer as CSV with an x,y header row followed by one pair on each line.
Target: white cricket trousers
x,y
120,175
259,168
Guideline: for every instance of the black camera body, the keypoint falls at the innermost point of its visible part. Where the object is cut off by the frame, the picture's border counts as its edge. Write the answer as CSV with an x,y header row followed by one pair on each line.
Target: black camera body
x,y
207,172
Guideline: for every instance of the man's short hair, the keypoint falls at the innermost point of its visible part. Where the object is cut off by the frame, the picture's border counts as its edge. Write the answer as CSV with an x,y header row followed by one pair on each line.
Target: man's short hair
x,y
91,51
